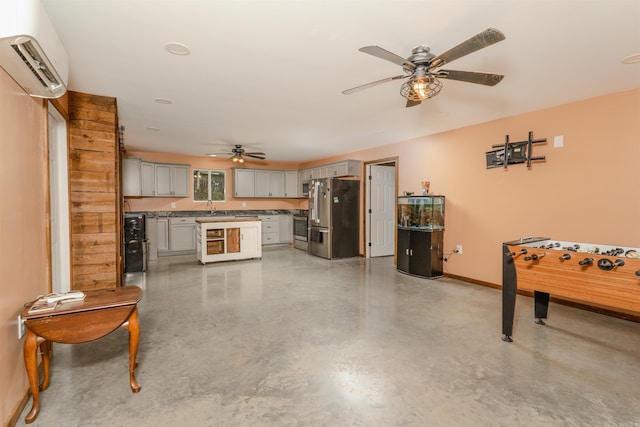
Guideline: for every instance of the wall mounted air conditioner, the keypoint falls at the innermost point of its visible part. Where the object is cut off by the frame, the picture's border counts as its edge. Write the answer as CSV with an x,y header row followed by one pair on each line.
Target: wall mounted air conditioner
x,y
30,50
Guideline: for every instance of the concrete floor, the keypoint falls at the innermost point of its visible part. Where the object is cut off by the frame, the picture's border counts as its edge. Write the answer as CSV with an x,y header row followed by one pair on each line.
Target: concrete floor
x,y
299,340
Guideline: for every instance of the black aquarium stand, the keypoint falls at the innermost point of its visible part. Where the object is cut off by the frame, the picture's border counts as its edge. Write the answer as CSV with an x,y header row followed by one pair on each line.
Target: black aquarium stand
x,y
420,252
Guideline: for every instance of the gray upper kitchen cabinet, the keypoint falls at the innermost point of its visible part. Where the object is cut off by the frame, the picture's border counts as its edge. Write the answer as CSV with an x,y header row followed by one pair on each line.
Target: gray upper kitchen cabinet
x,y
287,183
172,180
269,183
131,182
305,174
147,178
291,184
243,182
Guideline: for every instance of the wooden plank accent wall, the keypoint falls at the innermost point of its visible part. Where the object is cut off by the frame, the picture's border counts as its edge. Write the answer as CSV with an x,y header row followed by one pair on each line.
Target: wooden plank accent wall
x,y
94,170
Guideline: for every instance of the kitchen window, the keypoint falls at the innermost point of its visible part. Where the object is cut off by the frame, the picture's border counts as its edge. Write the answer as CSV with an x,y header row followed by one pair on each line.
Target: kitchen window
x,y
209,185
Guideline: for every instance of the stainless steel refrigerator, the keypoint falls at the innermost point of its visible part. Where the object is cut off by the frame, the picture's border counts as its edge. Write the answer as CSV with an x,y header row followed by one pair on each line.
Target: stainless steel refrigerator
x,y
334,226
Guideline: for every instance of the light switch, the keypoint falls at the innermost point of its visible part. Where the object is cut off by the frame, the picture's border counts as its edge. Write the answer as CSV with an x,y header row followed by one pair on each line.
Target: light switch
x,y
558,141
244,204
173,205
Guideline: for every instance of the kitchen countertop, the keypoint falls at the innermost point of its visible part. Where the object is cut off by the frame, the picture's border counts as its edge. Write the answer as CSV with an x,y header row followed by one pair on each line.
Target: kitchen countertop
x,y
241,219
201,214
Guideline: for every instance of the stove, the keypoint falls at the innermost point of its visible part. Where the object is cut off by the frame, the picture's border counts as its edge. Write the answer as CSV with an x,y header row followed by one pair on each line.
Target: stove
x,y
300,232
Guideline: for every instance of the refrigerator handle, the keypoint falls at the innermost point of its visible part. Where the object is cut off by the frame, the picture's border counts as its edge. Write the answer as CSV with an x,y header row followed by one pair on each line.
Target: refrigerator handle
x,y
314,208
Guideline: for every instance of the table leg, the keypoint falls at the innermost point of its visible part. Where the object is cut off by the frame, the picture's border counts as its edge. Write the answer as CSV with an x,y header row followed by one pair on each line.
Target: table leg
x,y
45,350
509,292
31,365
133,325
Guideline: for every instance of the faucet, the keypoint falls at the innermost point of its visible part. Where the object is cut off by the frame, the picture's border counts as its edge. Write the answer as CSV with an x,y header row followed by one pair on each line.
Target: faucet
x,y
211,206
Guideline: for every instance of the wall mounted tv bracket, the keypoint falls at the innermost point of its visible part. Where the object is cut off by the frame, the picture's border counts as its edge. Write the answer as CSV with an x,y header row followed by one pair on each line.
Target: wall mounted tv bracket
x,y
511,153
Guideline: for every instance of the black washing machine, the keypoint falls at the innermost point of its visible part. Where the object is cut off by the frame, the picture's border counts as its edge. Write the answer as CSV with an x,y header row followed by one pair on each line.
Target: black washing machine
x,y
135,243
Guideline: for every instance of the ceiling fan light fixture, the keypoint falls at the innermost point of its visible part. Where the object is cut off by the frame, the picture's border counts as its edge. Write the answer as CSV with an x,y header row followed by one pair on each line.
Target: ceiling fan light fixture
x,y
420,88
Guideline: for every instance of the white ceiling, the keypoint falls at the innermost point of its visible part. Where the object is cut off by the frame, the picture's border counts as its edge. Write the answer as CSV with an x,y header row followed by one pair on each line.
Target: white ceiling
x,y
269,74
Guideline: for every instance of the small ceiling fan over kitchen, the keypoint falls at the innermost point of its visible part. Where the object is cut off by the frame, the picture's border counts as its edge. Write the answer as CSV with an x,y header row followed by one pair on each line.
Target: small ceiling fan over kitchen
x,y
422,68
238,154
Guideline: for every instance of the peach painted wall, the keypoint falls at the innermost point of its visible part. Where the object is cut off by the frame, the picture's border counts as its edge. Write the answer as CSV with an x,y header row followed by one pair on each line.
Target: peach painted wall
x,y
23,219
587,191
203,162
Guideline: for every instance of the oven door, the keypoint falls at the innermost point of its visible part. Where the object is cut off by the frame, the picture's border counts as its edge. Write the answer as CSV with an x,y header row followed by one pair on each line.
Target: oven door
x,y
300,228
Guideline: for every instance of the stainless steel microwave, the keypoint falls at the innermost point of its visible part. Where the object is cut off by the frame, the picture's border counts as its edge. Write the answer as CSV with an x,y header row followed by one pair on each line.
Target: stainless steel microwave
x,y
304,188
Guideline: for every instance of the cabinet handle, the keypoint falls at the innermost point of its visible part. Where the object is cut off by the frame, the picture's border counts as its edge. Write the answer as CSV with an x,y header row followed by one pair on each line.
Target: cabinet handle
x,y
411,252
406,251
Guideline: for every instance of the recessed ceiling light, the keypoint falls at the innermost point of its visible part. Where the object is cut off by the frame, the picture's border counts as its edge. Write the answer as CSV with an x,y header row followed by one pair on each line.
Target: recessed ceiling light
x,y
177,48
632,59
211,155
163,101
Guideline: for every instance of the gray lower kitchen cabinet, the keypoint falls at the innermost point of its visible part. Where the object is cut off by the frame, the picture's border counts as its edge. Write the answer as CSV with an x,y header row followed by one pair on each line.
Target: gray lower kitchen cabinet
x,y
286,228
162,236
270,229
182,234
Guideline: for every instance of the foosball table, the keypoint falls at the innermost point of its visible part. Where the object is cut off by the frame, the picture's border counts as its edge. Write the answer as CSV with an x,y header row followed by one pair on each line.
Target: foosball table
x,y
601,276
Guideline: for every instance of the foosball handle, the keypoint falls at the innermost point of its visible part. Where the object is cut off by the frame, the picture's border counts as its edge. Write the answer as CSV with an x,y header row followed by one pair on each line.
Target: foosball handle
x,y
522,252
638,273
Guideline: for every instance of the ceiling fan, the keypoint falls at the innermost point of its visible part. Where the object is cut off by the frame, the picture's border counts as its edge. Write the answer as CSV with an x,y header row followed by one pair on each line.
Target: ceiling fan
x,y
422,67
238,154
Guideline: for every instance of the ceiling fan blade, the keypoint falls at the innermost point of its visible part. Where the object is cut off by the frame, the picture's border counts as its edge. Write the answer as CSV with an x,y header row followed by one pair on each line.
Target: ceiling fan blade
x,y
255,153
486,79
368,85
381,53
260,156
477,42
411,103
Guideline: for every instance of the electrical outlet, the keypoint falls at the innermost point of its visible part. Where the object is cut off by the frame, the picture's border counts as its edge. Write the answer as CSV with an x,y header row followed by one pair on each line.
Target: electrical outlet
x,y
459,249
22,329
244,204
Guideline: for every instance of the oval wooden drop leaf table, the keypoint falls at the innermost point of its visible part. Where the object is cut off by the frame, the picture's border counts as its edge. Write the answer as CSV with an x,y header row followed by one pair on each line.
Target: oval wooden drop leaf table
x,y
100,313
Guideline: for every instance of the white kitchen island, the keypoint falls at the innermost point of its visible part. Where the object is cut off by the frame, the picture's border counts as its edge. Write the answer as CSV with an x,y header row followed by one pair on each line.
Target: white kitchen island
x,y
228,239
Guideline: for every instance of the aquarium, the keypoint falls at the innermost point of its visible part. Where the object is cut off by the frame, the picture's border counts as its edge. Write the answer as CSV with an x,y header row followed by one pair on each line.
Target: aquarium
x,y
423,212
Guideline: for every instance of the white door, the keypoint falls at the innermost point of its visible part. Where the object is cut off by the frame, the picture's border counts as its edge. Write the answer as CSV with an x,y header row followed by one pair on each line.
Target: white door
x,y
250,242
59,203
382,197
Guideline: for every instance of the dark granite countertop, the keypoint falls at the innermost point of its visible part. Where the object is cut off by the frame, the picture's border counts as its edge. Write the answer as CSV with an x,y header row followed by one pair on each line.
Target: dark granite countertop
x,y
237,219
218,213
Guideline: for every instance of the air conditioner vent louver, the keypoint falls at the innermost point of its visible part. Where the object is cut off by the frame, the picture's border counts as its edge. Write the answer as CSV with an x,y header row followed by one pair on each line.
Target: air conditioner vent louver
x,y
36,62
30,49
